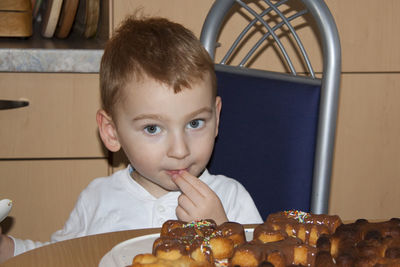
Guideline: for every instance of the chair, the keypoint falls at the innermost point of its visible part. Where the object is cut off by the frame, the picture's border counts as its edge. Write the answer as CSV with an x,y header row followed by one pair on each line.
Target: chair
x,y
277,130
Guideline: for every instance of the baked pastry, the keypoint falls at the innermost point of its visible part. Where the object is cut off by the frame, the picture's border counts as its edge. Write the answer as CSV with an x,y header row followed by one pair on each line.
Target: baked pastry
x,y
288,238
364,243
149,260
293,223
203,242
285,252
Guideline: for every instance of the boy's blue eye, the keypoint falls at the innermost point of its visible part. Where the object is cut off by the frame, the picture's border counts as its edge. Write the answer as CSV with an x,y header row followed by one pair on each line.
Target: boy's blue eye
x,y
195,124
152,129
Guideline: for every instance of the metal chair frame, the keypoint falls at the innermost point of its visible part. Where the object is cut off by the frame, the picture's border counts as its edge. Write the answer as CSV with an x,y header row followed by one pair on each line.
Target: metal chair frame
x,y
330,80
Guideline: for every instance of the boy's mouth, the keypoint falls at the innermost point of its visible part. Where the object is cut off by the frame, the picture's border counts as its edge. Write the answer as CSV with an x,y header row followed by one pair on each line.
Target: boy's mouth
x,y
174,172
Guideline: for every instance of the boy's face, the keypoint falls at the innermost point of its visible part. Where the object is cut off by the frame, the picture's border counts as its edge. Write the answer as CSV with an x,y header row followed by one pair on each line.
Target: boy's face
x,y
163,132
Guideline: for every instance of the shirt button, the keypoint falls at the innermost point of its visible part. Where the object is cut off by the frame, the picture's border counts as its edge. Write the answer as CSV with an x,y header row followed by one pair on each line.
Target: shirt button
x,y
161,208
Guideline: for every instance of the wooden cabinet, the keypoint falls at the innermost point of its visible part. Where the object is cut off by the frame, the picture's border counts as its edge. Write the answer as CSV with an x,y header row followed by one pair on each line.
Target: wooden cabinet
x,y
44,192
60,121
365,182
49,150
369,34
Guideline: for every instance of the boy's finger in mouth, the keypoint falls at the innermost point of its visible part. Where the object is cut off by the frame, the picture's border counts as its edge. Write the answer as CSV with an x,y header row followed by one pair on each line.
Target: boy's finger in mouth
x,y
175,172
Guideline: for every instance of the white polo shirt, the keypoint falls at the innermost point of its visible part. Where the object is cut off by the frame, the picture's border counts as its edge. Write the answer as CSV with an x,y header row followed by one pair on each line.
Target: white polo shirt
x,y
118,202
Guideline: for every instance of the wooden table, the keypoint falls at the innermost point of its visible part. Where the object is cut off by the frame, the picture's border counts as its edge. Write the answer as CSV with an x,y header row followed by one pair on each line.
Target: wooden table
x,y
85,251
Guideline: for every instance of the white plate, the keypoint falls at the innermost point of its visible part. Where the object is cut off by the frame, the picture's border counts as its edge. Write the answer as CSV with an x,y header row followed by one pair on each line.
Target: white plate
x,y
122,254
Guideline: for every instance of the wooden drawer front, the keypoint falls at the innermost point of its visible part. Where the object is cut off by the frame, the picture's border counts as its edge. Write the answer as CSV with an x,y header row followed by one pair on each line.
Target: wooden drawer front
x,y
44,193
59,121
369,34
366,171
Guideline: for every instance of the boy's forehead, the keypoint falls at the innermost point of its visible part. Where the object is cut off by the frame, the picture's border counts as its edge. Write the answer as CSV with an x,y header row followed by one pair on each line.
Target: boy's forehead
x,y
153,85
149,96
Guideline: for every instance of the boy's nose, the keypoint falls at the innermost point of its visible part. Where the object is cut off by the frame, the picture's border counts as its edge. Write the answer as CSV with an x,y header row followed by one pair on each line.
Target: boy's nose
x,y
178,147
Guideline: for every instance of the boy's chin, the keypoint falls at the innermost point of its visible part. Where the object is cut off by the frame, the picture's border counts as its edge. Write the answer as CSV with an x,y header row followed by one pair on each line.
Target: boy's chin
x,y
170,187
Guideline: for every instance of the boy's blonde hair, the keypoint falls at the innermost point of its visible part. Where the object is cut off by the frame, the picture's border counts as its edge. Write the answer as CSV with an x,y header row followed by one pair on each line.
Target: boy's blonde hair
x,y
156,48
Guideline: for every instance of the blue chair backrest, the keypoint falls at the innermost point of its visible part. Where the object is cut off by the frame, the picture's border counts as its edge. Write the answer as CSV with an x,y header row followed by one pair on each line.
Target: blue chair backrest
x,y
267,136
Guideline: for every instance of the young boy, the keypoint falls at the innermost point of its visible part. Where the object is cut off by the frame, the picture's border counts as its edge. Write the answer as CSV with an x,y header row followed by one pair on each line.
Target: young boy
x,y
160,105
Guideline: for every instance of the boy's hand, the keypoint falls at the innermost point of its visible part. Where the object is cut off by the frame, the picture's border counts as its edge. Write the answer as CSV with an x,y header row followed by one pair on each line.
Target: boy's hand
x,y
6,247
197,200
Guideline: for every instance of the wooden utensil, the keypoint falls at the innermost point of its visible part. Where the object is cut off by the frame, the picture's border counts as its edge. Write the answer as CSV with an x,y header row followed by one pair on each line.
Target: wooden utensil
x,y
92,17
67,17
87,18
50,18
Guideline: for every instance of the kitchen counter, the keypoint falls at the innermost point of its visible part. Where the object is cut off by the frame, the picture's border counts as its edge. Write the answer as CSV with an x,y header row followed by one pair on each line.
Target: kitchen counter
x,y
50,60
38,54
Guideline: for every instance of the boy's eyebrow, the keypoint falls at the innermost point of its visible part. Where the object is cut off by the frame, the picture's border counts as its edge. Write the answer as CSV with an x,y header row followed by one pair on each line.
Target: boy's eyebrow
x,y
147,116
201,110
159,117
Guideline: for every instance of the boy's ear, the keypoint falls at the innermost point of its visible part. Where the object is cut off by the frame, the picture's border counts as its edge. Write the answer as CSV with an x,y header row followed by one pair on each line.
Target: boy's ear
x,y
107,131
218,106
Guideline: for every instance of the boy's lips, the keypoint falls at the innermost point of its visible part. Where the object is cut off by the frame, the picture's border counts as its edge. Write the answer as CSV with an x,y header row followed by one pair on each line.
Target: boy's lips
x,y
174,172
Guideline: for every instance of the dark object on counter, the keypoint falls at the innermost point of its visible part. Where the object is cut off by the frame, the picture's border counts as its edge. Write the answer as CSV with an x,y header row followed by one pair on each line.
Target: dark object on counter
x,y
10,104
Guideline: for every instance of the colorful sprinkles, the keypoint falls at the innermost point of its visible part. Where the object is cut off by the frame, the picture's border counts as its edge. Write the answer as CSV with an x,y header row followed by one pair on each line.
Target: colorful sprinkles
x,y
300,216
205,239
197,224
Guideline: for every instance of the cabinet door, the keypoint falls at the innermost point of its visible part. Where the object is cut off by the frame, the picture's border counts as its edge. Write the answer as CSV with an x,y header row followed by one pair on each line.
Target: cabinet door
x,y
44,193
365,180
59,121
368,34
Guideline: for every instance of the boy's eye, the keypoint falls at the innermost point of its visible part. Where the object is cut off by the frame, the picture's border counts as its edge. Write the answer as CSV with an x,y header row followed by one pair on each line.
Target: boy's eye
x,y
152,129
195,124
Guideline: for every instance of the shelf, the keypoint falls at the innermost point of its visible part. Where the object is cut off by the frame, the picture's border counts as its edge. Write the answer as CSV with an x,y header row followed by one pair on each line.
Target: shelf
x,y
72,54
